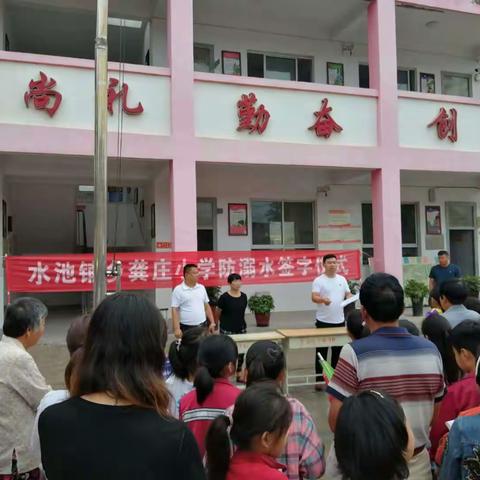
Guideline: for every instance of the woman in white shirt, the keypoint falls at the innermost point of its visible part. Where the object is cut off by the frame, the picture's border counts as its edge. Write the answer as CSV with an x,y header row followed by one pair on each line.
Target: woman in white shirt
x,y
183,358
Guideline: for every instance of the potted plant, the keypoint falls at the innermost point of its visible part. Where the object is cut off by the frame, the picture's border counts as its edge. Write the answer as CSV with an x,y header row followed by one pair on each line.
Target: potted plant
x,y
416,291
213,296
473,284
261,305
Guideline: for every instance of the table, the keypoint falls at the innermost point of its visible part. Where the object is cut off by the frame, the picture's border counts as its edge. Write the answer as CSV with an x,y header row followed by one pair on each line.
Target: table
x,y
302,338
245,340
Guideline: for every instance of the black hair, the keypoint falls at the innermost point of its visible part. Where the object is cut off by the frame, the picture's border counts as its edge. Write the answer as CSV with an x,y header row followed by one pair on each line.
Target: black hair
x,y
437,329
435,294
123,353
23,314
328,257
258,409
455,291
264,361
77,333
442,252
472,303
466,335
411,328
371,438
214,354
382,297
355,326
233,276
188,267
183,354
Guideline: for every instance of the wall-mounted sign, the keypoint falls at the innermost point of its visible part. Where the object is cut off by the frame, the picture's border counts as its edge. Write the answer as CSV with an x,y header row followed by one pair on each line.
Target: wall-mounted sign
x,y
324,124
446,124
433,220
251,118
237,219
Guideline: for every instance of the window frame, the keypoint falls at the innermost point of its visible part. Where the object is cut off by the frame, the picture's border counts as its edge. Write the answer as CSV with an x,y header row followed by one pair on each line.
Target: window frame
x,y
283,245
467,76
412,75
211,48
281,55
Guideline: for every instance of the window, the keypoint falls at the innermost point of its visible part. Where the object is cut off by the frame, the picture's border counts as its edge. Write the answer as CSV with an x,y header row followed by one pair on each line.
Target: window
x,y
456,84
279,67
277,224
406,79
203,58
409,231
363,76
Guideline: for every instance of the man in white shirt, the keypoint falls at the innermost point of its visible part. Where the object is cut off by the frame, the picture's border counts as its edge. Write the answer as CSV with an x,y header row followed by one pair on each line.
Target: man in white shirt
x,y
329,290
190,303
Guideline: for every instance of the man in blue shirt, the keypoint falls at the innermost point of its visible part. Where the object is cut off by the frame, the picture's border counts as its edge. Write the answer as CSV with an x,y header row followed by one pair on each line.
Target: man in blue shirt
x,y
443,271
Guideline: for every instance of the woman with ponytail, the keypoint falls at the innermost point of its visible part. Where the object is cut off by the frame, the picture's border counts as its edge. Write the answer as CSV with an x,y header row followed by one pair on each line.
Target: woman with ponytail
x,y
304,451
257,432
213,392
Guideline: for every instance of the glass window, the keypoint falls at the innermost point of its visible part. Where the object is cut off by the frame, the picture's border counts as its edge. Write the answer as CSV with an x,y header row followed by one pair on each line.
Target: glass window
x,y
457,84
367,223
279,68
255,65
406,79
461,215
409,223
204,214
298,223
203,58
305,68
267,223
363,76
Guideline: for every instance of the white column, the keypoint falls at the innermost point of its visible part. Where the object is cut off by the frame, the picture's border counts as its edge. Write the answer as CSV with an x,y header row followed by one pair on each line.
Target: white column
x,y
158,42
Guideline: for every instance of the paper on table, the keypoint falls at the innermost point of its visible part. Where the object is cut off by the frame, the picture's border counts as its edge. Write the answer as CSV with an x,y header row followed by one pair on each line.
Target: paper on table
x,y
350,300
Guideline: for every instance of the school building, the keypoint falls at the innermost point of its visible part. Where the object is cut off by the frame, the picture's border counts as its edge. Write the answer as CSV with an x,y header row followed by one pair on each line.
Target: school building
x,y
253,125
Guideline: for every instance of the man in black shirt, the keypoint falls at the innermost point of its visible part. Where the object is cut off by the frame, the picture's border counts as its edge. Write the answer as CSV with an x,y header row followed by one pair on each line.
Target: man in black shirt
x,y
443,271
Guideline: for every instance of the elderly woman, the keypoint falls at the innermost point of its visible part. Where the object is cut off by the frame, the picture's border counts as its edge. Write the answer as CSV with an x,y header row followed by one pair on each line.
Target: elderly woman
x,y
22,387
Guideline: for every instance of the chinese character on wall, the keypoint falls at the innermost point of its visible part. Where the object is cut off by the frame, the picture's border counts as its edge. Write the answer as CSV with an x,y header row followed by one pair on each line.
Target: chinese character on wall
x,y
446,125
43,95
251,118
324,124
113,95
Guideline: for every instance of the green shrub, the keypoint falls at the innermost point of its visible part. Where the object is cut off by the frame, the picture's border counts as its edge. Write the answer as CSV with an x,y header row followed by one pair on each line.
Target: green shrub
x,y
261,303
473,284
415,290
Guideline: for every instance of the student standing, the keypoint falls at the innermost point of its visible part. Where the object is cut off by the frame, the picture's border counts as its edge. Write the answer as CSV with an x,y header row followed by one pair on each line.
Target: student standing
x,y
230,312
443,271
329,290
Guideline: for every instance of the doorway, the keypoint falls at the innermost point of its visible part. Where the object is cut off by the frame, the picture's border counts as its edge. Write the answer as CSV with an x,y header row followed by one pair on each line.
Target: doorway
x,y
461,236
206,224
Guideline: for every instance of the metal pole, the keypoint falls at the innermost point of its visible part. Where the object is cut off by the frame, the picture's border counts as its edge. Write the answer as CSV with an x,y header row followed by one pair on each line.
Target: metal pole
x,y
100,159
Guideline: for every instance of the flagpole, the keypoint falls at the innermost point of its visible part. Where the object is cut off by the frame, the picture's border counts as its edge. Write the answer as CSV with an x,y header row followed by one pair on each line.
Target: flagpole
x,y
100,156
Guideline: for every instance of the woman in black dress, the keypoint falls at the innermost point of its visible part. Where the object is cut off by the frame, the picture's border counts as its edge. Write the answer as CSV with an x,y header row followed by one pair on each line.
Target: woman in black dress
x,y
230,312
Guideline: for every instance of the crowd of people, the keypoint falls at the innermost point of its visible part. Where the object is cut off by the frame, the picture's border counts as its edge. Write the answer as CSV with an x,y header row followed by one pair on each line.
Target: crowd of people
x,y
402,404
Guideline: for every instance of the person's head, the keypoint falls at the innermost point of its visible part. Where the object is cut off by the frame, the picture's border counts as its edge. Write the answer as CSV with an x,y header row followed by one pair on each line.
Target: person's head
x,y
235,281
434,298
411,328
123,354
330,264
372,439
465,340
261,419
436,328
190,273
77,333
265,361
355,325
25,320
382,299
452,292
443,258
472,303
217,358
183,353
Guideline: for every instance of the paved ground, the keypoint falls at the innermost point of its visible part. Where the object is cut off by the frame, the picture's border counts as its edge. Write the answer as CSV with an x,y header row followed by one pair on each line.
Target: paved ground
x,y
51,355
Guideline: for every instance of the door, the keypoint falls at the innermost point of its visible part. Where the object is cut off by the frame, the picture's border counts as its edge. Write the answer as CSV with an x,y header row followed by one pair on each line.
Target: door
x,y
206,224
461,236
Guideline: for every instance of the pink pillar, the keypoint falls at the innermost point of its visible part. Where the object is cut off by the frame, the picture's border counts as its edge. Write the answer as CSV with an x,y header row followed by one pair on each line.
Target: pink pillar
x,y
386,200
183,187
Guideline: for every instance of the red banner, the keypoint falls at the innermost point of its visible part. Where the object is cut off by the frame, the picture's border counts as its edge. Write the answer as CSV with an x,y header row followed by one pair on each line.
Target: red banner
x,y
148,270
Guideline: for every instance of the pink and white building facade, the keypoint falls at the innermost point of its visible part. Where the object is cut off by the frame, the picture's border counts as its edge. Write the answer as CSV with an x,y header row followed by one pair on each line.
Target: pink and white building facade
x,y
398,179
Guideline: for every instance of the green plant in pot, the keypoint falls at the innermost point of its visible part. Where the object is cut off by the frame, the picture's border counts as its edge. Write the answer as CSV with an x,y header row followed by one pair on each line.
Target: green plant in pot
x,y
416,291
213,295
261,305
473,284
